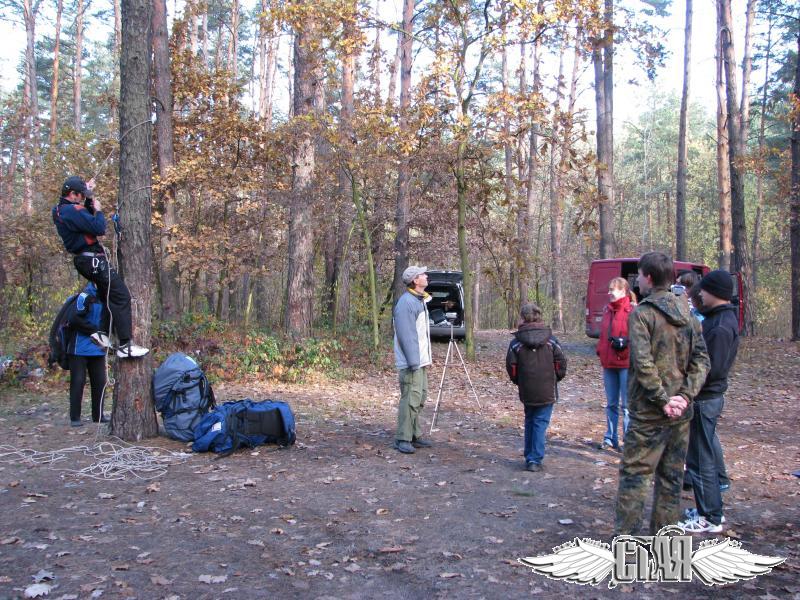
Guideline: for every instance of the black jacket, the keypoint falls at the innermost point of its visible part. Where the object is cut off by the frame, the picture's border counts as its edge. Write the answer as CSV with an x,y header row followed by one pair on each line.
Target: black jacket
x,y
535,362
721,334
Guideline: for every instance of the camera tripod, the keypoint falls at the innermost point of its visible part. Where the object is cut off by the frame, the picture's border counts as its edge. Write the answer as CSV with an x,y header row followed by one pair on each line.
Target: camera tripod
x,y
450,347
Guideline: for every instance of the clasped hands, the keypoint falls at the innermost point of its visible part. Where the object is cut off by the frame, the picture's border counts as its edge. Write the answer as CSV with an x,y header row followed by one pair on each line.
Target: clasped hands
x,y
675,407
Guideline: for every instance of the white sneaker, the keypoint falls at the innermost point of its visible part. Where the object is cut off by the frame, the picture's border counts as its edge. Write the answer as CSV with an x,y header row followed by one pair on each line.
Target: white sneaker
x,y
101,339
700,525
692,514
131,350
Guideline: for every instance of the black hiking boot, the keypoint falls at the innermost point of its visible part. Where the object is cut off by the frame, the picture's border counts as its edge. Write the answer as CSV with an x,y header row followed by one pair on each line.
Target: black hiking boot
x,y
404,447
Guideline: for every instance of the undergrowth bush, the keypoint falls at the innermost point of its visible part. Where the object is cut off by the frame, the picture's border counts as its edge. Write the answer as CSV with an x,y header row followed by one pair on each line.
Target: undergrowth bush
x,y
225,352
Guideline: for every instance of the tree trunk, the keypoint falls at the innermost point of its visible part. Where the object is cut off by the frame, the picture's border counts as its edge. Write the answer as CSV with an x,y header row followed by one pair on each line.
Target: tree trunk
x,y
723,166
476,296
755,252
272,54
190,14
404,168
463,249
523,276
233,43
741,262
530,239
562,174
528,208
168,276
747,69
267,42
134,415
341,213
602,57
31,103
77,80
398,58
794,211
300,286
373,293
375,69
556,212
56,62
683,156
508,188
113,111
341,307
218,54
204,29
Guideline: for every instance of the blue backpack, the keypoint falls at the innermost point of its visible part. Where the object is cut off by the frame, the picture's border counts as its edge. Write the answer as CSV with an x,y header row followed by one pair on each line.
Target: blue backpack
x,y
245,423
182,394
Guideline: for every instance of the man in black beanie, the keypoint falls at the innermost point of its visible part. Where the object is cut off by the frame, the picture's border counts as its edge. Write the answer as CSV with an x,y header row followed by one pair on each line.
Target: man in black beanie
x,y
721,334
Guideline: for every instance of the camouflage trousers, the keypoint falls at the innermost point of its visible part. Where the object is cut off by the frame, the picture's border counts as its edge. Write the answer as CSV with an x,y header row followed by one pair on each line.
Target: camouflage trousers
x,y
651,449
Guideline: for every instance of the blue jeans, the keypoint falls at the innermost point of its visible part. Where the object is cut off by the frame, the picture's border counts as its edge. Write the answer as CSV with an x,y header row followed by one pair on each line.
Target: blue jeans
x,y
537,418
702,460
615,382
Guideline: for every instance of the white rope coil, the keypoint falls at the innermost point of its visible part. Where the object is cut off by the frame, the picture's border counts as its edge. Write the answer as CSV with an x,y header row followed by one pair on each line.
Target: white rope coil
x,y
113,460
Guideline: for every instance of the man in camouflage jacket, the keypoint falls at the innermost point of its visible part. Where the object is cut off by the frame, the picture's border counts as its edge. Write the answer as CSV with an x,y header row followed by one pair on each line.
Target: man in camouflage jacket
x,y
668,365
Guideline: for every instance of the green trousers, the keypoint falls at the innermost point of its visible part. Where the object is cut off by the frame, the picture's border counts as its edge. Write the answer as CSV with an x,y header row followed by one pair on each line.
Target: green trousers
x,y
651,450
413,394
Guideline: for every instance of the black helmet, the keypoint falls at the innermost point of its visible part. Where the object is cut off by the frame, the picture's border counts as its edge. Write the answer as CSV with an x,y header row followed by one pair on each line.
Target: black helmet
x,y
74,183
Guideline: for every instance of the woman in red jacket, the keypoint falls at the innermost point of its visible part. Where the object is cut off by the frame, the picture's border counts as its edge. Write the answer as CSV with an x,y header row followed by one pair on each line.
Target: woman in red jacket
x,y
613,350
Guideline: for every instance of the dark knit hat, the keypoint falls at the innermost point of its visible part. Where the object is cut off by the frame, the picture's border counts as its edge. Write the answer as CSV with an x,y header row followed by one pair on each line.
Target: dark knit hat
x,y
718,283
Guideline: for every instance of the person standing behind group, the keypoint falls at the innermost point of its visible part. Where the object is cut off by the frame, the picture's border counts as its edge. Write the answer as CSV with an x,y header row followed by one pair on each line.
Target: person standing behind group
x,y
704,460
688,279
696,302
412,351
612,348
88,322
535,363
668,367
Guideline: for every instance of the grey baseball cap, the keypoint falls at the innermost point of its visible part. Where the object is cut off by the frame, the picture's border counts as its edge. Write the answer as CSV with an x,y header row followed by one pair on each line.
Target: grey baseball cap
x,y
412,272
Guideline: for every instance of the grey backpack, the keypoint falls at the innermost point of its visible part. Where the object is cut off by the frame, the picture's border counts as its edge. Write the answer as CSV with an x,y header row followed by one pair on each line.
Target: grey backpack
x,y
182,394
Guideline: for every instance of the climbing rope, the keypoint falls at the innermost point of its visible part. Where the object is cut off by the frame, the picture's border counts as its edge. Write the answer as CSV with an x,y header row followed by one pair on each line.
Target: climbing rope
x,y
114,461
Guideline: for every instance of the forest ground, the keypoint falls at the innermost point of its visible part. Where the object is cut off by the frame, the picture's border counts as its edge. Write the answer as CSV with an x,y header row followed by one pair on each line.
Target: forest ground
x,y
343,515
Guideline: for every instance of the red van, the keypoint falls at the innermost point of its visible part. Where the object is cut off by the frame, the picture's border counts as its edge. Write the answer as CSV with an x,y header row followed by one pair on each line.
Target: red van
x,y
601,272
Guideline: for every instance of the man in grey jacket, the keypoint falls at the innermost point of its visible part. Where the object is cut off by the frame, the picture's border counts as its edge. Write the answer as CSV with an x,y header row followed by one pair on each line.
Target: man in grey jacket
x,y
412,352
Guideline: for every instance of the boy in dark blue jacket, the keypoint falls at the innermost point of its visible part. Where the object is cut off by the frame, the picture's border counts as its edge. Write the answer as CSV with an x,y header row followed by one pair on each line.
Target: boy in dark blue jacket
x,y
79,220
87,319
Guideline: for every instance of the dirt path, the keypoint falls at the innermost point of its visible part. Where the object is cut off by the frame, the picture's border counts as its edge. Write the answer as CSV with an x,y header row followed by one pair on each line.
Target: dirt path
x,y
343,515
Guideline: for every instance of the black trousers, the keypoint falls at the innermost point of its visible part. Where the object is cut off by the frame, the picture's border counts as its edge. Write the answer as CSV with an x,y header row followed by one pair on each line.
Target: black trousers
x,y
78,366
111,289
701,458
